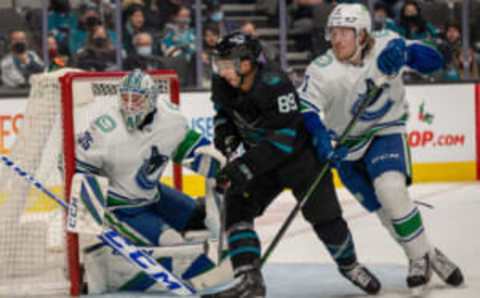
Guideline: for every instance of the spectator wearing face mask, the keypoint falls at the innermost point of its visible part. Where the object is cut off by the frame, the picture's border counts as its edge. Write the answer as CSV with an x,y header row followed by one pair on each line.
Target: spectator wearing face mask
x,y
20,63
57,60
178,45
144,56
135,24
381,17
179,39
98,54
60,22
216,17
87,23
412,25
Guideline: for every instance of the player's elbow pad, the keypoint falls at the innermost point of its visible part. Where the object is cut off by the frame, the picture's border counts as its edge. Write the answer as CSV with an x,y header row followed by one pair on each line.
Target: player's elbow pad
x,y
424,59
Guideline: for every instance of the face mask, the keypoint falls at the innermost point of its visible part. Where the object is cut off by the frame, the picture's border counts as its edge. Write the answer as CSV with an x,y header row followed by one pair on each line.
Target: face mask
x,y
378,22
144,50
99,41
61,6
19,47
217,16
182,21
411,19
379,19
91,22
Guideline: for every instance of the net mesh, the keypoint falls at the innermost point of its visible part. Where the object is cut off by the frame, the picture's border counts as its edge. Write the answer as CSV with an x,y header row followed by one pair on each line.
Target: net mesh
x,y
32,247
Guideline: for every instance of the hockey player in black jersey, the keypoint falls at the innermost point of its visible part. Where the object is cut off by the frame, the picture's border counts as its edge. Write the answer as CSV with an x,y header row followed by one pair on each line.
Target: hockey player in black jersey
x,y
258,107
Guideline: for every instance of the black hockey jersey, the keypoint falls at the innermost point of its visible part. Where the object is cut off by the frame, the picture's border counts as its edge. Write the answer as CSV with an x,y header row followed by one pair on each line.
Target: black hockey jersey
x,y
266,118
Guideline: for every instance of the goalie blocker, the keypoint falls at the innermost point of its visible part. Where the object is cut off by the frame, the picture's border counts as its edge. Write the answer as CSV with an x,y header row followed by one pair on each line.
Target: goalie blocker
x,y
193,261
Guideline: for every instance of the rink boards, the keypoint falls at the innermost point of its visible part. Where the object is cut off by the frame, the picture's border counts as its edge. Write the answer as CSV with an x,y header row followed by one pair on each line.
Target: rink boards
x,y
443,130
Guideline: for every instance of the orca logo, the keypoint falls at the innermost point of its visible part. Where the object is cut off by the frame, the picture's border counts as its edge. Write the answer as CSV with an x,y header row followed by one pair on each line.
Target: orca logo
x,y
369,115
149,173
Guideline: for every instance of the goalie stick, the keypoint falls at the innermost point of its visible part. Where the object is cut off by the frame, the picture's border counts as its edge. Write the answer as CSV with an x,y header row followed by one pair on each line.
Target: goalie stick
x,y
376,89
125,248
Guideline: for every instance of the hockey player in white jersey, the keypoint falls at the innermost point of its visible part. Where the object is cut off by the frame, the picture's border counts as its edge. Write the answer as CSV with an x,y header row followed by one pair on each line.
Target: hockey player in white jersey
x,y
130,144
374,161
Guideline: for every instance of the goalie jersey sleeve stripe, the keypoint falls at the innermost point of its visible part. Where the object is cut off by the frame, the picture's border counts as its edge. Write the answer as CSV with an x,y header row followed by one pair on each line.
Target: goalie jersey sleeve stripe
x,y
188,145
85,167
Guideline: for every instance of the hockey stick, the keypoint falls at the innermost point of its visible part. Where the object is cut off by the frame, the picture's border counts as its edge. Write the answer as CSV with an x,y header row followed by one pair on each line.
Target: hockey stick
x,y
372,94
220,197
223,212
125,248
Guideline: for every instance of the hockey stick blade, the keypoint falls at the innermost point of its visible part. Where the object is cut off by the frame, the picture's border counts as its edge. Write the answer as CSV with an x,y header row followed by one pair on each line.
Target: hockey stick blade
x,y
375,90
125,248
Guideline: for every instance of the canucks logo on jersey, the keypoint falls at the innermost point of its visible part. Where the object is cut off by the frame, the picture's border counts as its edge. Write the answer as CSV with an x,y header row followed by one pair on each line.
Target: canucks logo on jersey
x,y
370,115
149,173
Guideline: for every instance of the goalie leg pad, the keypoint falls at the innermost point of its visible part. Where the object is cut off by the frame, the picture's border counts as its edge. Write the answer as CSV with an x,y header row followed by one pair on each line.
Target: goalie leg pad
x,y
141,225
105,272
88,200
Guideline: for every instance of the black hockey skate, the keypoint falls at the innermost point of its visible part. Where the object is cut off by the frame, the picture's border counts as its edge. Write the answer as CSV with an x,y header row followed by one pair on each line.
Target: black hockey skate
x,y
362,278
445,268
419,274
251,285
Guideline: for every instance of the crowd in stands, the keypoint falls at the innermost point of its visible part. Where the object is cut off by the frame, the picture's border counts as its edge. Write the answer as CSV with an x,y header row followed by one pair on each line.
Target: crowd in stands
x,y
161,34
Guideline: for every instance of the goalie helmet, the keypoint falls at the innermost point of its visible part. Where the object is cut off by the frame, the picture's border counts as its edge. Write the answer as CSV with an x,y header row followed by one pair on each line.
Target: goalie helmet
x,y
349,15
137,98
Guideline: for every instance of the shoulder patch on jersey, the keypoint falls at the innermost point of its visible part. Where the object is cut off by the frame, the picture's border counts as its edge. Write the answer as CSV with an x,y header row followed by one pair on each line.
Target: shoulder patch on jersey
x,y
271,78
324,60
105,123
85,140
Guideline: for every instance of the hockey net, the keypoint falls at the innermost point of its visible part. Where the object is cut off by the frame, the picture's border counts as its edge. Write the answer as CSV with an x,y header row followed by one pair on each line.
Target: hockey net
x,y
37,256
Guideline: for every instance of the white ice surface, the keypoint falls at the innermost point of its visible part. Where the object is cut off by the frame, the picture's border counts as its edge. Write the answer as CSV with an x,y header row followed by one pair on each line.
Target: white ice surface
x,y
300,267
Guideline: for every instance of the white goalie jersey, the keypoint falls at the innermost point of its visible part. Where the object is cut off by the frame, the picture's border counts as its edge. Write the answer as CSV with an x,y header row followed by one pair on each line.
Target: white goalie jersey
x,y
133,162
336,89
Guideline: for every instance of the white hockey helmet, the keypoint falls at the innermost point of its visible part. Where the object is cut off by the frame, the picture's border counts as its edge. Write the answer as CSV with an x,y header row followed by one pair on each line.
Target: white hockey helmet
x,y
137,98
350,15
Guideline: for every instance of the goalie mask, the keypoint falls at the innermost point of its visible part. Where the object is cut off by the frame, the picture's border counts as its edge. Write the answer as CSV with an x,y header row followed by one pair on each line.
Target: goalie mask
x,y
234,48
137,98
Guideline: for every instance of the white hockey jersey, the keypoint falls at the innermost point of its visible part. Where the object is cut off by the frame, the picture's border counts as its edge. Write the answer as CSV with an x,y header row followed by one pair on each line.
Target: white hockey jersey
x,y
335,89
133,162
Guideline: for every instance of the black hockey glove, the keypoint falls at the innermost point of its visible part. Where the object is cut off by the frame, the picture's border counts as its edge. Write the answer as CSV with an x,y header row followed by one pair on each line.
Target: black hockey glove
x,y
227,145
234,175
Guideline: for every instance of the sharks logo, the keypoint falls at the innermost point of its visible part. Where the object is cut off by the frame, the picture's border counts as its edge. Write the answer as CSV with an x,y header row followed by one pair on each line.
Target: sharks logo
x,y
369,115
149,173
